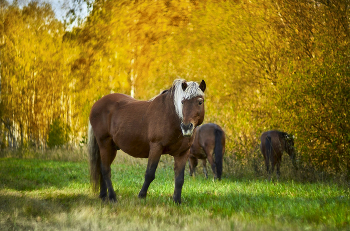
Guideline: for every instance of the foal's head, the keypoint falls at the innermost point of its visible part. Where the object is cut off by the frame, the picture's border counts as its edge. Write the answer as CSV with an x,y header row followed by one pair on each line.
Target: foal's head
x,y
289,144
289,148
189,104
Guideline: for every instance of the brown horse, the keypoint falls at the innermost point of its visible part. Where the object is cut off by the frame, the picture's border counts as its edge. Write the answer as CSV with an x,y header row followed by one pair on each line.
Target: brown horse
x,y
273,144
145,129
209,139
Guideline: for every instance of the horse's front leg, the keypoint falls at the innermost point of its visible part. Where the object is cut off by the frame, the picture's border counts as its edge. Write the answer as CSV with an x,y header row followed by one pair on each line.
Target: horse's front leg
x,y
179,169
150,175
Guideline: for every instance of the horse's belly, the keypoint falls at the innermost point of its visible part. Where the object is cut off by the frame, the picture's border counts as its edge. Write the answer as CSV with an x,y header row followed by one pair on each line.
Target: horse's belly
x,y
202,155
133,147
199,153
136,152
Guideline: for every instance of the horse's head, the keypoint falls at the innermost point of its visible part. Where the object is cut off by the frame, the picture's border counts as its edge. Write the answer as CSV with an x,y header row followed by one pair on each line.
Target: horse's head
x,y
189,105
289,147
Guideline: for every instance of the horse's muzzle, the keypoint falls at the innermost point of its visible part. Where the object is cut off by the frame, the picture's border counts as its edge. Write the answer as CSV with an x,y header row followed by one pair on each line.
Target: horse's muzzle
x,y
187,129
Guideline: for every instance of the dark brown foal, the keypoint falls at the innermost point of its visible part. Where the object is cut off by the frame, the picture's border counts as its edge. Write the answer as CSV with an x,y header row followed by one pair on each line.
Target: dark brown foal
x,y
209,139
273,144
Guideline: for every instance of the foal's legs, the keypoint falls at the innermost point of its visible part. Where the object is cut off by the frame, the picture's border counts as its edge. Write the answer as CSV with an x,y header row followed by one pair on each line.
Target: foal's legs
x,y
209,153
179,169
192,162
271,170
278,172
108,153
278,165
267,164
150,175
204,162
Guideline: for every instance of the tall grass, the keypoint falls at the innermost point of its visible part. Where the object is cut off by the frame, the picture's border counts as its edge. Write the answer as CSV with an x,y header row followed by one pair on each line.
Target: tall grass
x,y
43,194
59,154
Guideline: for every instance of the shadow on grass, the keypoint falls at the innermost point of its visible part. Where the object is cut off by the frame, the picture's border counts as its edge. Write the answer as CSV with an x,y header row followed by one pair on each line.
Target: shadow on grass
x,y
31,174
27,206
23,212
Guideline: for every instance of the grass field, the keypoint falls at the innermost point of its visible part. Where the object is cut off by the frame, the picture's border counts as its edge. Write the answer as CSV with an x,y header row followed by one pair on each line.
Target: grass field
x,y
37,194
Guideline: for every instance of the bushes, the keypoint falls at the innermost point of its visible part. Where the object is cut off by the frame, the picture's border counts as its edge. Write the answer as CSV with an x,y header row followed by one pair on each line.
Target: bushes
x,y
58,134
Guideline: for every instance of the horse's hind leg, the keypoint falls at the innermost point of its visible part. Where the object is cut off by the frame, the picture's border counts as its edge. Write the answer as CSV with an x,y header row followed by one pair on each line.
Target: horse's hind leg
x,y
267,164
103,187
192,162
108,153
209,153
271,171
278,172
205,171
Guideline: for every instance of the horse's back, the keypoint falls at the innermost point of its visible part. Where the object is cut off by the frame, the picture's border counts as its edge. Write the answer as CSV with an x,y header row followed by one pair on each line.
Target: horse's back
x,y
105,108
109,103
205,139
207,132
118,116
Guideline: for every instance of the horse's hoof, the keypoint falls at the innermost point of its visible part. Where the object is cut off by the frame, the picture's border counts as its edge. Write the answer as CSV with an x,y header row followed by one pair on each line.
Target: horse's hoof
x,y
113,199
103,197
177,200
142,195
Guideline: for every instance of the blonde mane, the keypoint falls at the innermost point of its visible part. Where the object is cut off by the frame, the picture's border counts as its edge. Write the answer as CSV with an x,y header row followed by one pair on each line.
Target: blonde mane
x,y
190,92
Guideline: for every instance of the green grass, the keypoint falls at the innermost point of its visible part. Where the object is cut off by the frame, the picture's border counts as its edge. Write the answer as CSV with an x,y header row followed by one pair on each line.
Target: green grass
x,y
55,195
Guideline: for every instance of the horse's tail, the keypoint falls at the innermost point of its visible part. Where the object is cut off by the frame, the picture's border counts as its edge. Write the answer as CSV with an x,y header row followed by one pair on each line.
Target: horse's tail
x,y
95,160
268,148
218,152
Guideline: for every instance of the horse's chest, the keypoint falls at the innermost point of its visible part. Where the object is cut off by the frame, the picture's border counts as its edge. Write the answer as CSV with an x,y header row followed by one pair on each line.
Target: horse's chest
x,y
178,147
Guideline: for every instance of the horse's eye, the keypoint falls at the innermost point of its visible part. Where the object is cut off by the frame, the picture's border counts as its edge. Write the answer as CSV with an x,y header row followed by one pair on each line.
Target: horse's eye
x,y
200,102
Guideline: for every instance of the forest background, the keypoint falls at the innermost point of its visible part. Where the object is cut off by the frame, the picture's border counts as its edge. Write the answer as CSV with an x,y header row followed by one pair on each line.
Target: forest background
x,y
268,64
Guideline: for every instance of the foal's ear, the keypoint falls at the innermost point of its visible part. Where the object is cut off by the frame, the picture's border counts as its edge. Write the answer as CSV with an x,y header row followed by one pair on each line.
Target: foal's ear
x,y
202,86
184,86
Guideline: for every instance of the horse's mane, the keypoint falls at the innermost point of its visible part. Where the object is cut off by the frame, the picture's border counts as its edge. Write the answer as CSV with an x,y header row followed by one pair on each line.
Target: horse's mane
x,y
163,92
179,94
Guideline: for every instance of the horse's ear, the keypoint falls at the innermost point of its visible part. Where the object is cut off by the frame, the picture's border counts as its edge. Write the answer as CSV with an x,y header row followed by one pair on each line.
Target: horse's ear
x,y
202,86
184,86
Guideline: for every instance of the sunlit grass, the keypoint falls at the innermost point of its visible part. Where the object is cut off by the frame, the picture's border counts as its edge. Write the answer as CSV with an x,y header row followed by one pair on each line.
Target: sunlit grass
x,y
56,195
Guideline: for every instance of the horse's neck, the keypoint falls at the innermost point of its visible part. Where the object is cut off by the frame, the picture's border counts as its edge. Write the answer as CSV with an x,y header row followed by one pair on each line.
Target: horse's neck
x,y
167,107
